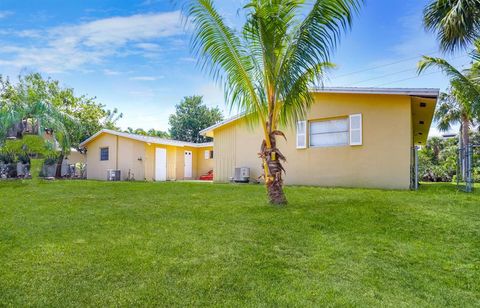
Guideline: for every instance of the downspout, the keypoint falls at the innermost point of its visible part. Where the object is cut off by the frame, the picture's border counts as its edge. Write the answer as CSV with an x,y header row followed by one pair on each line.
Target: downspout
x,y
116,154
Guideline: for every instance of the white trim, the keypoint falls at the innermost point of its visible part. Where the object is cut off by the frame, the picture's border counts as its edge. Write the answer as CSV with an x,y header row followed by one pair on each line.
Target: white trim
x,y
203,132
424,92
147,139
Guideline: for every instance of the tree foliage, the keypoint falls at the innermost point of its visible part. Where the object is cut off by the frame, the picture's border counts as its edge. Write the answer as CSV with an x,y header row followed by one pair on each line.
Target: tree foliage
x,y
151,132
438,159
456,22
190,117
73,118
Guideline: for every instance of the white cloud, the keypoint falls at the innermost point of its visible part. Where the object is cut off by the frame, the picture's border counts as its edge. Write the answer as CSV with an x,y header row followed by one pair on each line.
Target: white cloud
x,y
146,78
148,46
4,14
69,47
109,72
188,59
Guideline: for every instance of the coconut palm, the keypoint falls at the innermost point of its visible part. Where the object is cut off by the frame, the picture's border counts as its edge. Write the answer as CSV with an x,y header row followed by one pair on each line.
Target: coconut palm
x,y
457,22
268,67
462,104
452,111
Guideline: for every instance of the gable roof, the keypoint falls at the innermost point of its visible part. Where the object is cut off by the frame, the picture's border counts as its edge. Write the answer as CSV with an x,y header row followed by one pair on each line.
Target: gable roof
x,y
147,139
418,92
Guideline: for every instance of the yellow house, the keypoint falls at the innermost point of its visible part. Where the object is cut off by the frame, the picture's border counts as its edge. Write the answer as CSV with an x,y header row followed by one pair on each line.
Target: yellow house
x,y
351,137
144,157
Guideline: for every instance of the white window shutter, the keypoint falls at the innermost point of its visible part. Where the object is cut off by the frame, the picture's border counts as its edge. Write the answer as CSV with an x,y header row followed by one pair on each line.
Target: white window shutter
x,y
301,134
207,154
356,129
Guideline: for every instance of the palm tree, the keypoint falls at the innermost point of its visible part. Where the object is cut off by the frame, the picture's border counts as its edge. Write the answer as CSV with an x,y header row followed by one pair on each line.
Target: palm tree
x,y
451,112
44,116
462,104
457,22
268,67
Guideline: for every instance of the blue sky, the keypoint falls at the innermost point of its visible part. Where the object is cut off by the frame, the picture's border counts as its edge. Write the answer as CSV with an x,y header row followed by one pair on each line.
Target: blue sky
x,y
134,55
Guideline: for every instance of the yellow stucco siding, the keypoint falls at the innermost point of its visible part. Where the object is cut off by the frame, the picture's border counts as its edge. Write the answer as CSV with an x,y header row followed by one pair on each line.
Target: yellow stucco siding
x,y
97,169
224,150
382,161
204,165
150,165
131,158
76,157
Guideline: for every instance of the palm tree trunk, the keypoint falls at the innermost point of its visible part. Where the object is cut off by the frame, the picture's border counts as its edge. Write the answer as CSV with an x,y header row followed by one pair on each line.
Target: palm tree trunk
x,y
272,164
465,131
465,126
275,185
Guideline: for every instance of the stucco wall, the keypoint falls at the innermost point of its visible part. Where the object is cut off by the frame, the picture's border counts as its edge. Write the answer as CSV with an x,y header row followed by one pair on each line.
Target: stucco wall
x,y
225,151
204,165
131,157
97,169
382,161
128,159
151,164
76,157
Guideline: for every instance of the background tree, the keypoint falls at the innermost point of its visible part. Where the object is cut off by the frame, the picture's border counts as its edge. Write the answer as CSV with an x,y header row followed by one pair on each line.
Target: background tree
x,y
438,159
268,68
456,22
51,106
33,88
190,117
151,132
462,103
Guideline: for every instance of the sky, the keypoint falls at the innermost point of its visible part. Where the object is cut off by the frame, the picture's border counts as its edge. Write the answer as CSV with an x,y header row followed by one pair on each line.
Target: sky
x,y
135,55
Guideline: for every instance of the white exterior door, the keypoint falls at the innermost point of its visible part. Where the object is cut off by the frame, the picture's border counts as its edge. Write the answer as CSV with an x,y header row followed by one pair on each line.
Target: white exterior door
x,y
160,164
188,164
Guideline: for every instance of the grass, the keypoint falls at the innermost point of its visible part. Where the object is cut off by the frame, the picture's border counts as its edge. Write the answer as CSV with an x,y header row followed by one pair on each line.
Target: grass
x,y
86,243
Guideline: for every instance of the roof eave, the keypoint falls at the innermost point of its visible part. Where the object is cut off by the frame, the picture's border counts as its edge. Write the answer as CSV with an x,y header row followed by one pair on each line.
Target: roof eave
x,y
423,92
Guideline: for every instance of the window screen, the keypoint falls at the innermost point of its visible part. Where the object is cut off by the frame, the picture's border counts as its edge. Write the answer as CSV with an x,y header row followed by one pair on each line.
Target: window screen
x,y
103,153
329,133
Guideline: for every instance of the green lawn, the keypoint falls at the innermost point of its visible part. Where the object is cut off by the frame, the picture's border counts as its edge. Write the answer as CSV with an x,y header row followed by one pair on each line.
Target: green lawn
x,y
86,243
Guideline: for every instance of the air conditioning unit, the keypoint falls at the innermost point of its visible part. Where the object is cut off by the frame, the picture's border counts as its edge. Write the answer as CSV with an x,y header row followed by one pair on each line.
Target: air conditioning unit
x,y
113,175
242,175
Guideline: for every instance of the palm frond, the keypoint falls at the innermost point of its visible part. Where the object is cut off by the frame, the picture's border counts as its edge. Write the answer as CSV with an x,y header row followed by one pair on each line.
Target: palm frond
x,y
221,54
448,112
456,22
313,41
297,98
455,75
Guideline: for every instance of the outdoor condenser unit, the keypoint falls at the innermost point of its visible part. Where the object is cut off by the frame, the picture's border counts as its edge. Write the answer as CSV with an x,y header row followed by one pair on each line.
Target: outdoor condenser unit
x,y
242,175
113,175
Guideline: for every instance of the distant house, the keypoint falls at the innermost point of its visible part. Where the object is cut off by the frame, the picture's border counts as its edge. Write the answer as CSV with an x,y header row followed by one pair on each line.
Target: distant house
x,y
351,137
145,157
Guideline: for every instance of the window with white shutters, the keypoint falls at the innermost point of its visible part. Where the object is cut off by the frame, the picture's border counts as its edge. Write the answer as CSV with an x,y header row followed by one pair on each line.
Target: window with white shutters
x,y
356,129
329,133
301,134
